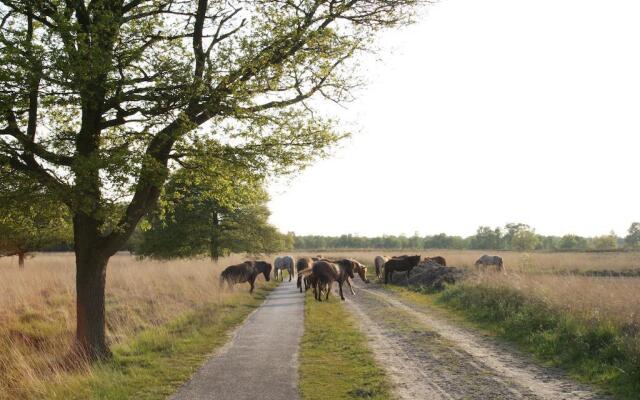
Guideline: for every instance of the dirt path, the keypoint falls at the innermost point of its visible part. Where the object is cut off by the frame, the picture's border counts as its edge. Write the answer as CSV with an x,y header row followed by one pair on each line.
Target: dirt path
x,y
261,360
428,357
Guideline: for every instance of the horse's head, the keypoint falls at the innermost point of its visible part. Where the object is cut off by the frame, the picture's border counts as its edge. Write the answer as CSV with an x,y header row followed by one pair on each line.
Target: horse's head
x,y
265,268
361,270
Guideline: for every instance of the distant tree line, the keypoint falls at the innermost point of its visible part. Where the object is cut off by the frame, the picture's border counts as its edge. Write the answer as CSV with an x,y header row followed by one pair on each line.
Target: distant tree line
x,y
513,236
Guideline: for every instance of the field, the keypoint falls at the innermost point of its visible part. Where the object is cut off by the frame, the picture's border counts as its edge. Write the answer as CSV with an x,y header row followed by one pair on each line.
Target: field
x,y
549,305
555,278
37,310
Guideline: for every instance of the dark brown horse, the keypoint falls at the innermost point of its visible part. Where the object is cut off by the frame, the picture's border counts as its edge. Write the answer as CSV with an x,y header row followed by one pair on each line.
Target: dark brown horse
x,y
402,263
303,263
248,271
437,260
328,272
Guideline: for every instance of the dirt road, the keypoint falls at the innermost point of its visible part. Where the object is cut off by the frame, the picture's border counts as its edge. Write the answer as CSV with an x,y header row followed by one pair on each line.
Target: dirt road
x,y
261,360
428,357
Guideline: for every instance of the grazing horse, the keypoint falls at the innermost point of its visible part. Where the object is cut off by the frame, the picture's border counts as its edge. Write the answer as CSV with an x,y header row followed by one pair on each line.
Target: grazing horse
x,y
402,263
379,263
486,260
248,271
303,263
359,269
280,263
327,272
437,260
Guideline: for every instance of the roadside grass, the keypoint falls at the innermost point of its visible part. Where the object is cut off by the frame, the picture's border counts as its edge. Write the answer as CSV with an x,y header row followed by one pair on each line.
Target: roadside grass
x,y
593,351
156,361
335,361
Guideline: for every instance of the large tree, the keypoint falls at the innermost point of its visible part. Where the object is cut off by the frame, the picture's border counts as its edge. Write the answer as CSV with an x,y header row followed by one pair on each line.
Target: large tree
x,y
99,99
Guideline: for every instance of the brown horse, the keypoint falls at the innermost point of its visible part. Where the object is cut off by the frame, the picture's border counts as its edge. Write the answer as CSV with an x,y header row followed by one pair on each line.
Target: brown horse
x,y
248,271
437,260
402,263
359,269
303,263
328,272
379,263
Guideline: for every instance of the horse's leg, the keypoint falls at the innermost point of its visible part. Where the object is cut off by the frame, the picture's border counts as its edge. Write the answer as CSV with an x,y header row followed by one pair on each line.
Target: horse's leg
x,y
251,282
350,287
340,286
386,275
328,290
290,273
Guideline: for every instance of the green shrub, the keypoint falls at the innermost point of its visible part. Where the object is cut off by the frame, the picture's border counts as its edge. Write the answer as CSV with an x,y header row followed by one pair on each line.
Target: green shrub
x,y
595,351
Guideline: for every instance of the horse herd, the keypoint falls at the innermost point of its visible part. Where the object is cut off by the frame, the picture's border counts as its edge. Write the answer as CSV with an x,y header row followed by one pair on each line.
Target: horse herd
x,y
320,273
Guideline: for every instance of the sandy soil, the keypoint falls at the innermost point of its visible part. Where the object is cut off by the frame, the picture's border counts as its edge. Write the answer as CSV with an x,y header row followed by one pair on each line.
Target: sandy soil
x,y
429,357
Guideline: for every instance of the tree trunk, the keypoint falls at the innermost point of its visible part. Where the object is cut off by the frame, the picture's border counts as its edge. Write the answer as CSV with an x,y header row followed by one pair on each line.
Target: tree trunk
x,y
214,237
91,273
21,259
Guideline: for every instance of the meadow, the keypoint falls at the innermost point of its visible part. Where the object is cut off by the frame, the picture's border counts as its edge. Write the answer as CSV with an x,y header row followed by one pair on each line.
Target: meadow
x,y
37,308
37,311
550,306
555,278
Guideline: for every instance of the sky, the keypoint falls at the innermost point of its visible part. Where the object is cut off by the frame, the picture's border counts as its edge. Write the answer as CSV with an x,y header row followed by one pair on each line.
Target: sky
x,y
484,113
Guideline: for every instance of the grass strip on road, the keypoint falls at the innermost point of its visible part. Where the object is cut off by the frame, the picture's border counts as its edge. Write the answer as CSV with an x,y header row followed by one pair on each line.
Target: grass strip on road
x,y
596,353
158,360
336,362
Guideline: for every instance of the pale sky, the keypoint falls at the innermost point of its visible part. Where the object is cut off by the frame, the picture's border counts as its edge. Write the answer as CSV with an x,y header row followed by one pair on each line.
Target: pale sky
x,y
483,113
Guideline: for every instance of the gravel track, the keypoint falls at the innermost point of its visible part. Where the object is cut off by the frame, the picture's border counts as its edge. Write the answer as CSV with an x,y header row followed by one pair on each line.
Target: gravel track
x,y
428,357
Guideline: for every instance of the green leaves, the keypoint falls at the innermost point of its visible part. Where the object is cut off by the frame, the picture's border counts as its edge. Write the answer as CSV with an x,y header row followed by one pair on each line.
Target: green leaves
x,y
30,218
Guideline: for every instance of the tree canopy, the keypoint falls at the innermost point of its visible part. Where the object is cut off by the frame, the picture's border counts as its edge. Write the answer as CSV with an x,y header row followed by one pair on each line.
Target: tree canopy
x,y
214,209
101,99
30,219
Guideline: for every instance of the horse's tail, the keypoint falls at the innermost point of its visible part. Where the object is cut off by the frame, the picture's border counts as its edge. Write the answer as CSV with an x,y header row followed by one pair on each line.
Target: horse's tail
x,y
223,279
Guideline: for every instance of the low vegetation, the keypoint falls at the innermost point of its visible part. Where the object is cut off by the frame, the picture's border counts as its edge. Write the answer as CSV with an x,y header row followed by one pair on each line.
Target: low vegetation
x,y
335,360
158,313
556,306
588,326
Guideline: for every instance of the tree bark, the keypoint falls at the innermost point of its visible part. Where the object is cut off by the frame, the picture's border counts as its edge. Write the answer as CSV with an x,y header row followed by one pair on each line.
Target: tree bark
x,y
21,259
214,238
91,273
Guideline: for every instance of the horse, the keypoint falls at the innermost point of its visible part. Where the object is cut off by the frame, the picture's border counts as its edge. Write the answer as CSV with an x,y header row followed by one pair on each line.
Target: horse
x,y
361,270
248,271
280,263
402,263
306,278
303,263
486,260
379,263
437,260
328,272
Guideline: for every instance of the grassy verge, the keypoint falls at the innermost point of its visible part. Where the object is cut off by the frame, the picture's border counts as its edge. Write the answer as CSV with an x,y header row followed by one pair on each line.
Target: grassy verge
x,y
594,352
335,360
157,361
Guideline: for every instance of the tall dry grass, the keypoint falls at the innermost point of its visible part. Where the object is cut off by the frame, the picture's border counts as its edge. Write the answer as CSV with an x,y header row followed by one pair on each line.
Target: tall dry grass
x,y
515,261
605,300
548,277
37,309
